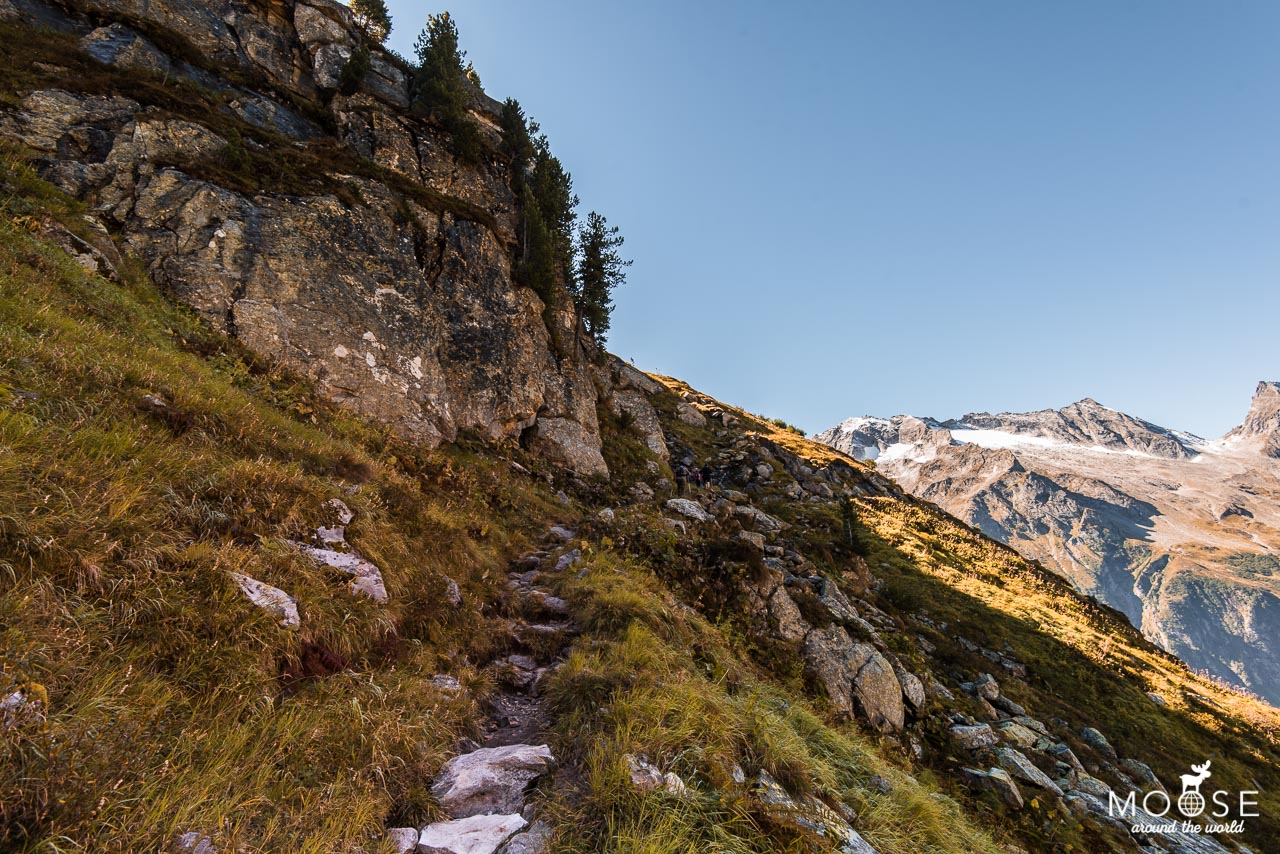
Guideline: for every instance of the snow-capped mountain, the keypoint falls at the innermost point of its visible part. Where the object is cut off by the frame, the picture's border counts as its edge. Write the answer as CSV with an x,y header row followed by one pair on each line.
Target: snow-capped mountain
x,y
1180,533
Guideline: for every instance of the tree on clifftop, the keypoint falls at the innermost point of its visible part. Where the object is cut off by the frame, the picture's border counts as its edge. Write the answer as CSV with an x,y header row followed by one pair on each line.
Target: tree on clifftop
x,y
600,270
441,87
373,17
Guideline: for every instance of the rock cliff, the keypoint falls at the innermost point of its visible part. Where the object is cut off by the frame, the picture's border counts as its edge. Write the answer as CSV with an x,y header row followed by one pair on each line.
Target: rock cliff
x,y
334,234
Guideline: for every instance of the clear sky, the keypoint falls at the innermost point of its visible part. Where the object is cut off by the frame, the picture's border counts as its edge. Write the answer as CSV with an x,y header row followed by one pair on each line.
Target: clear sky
x,y
850,208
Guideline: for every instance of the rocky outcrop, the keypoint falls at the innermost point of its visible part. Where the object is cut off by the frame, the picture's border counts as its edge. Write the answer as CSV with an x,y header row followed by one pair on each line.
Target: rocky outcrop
x,y
855,676
416,320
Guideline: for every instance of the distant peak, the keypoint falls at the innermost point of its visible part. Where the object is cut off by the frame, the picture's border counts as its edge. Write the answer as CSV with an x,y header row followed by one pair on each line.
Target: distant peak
x,y
1262,424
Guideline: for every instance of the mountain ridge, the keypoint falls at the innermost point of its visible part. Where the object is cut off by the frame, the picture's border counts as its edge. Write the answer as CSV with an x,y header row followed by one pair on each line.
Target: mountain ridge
x,y
1119,505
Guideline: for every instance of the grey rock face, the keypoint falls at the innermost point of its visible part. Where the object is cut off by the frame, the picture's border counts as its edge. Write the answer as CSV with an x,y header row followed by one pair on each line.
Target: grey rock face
x,y
404,314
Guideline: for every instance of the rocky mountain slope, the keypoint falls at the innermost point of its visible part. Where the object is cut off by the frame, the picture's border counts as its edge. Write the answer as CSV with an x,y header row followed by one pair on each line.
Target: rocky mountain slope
x,y
1181,534
268,589
332,233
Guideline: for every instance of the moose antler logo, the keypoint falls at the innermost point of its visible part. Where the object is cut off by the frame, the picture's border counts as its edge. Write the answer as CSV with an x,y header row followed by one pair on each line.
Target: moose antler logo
x,y
1191,802
1191,782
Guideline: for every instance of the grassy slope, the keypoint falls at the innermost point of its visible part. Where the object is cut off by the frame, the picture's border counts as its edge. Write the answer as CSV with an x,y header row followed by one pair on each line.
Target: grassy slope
x,y
173,704
1088,665
167,707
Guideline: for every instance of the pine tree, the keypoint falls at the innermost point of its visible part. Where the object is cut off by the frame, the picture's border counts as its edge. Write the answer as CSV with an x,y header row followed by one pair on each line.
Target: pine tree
x,y
373,17
600,270
441,87
517,140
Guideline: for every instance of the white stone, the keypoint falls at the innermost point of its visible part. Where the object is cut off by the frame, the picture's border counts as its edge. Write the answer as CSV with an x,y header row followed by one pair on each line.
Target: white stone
x,y
690,509
366,578
480,834
490,780
270,598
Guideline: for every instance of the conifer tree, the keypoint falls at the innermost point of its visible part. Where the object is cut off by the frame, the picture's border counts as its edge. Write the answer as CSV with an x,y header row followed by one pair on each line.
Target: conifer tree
x,y
441,88
373,17
600,270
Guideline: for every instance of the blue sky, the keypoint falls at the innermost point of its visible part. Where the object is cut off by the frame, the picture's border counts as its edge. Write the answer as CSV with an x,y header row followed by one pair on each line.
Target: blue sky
x,y
854,208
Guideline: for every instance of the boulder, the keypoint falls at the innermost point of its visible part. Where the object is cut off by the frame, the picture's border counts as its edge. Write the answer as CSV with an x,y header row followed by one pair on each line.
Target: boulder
x,y
1141,772
646,777
571,444
876,689
269,598
912,689
568,560
1005,704
1017,734
479,834
1032,724
758,519
756,541
448,684
689,509
986,687
489,780
826,654
995,780
1019,766
973,737
690,414
1098,742
785,616
118,45
809,814
836,603
1065,755
192,842
633,404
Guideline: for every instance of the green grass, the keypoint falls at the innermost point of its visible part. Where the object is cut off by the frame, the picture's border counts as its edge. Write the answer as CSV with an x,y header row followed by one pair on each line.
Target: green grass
x,y
659,680
173,704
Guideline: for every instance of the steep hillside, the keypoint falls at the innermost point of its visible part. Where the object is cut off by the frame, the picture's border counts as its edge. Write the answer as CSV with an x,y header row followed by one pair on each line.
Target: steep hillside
x,y
241,618
1179,533
261,598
